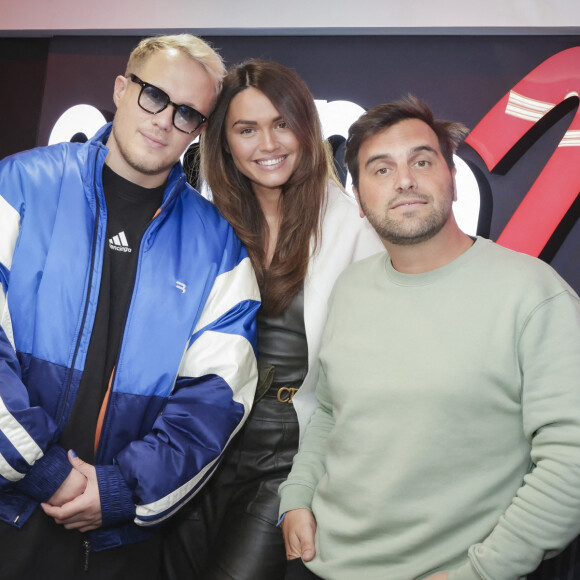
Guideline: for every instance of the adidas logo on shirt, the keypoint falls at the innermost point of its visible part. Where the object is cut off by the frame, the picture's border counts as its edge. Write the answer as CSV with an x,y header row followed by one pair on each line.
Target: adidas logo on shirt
x,y
119,243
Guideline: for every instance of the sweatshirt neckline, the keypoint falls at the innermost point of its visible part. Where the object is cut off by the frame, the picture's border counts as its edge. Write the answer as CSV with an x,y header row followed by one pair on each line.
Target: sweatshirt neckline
x,y
432,276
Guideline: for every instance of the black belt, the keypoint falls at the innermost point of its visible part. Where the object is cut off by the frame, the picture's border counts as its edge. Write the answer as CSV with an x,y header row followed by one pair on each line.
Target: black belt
x,y
284,393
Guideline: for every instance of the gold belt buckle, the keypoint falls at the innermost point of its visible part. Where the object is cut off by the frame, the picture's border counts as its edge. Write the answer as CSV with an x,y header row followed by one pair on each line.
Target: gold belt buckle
x,y
286,394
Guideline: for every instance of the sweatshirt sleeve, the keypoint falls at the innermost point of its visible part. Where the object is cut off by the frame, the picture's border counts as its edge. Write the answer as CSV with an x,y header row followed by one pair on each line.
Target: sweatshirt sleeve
x,y
309,466
544,516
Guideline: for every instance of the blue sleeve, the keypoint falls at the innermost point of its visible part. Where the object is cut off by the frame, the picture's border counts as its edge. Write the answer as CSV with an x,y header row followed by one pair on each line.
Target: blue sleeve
x,y
28,459
211,399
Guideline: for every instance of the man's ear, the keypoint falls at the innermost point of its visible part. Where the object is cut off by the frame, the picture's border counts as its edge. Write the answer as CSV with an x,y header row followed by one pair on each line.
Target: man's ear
x,y
200,130
453,176
119,88
357,196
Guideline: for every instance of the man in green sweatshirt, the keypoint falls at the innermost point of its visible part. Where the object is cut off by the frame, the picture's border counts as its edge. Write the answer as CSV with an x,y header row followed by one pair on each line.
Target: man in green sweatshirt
x,y
446,443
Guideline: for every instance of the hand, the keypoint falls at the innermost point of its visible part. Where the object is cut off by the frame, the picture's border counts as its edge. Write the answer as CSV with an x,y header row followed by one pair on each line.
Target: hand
x,y
82,513
440,576
298,528
73,486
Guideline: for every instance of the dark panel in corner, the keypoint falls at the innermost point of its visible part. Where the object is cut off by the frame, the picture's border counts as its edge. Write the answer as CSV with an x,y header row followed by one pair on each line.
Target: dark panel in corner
x,y
22,76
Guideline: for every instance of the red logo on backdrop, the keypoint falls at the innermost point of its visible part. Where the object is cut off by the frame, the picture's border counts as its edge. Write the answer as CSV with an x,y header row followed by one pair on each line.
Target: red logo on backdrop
x,y
558,185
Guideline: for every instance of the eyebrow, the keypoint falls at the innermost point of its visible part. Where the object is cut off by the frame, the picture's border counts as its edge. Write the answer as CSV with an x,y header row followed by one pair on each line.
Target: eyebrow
x,y
379,157
244,122
387,156
427,148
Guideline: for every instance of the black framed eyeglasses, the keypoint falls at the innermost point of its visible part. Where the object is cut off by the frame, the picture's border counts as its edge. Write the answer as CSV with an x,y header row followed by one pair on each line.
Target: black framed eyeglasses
x,y
153,100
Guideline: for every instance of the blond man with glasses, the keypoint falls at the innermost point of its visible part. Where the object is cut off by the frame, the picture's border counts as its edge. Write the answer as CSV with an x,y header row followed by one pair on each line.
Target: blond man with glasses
x,y
127,331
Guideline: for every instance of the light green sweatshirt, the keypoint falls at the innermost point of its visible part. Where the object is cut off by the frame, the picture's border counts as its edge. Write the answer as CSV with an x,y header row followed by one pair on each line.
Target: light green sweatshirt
x,y
447,436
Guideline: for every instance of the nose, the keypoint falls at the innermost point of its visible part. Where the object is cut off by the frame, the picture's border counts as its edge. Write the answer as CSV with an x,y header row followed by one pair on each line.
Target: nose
x,y
268,141
164,119
405,178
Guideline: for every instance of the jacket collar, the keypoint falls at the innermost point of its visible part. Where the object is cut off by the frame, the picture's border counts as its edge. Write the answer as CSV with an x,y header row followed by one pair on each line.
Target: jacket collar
x,y
98,143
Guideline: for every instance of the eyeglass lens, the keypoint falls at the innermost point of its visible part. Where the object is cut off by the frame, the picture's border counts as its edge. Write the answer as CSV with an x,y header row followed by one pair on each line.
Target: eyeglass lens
x,y
154,100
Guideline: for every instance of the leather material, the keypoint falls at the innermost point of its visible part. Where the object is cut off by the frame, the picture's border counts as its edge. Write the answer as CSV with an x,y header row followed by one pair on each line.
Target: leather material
x,y
229,531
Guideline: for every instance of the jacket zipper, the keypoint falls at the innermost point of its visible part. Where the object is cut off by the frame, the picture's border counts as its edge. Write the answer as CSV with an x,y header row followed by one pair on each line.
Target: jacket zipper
x,y
87,553
90,281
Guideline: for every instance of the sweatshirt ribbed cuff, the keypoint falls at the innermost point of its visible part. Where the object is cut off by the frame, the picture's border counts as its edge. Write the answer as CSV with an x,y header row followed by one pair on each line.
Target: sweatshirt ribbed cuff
x,y
294,496
464,572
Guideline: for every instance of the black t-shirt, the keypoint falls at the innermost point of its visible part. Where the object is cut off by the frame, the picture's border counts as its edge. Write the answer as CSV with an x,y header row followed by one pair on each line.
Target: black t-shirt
x,y
130,209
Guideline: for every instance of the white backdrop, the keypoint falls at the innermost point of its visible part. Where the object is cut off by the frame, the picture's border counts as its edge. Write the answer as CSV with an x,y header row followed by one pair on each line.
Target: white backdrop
x,y
17,16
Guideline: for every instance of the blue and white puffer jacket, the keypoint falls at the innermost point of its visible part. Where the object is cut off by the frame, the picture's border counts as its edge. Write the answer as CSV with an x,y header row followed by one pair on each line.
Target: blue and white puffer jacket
x,y
186,371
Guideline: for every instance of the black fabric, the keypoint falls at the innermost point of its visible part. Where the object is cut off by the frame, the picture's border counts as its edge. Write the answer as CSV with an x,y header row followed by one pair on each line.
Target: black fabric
x,y
130,208
282,341
296,570
565,566
229,532
44,550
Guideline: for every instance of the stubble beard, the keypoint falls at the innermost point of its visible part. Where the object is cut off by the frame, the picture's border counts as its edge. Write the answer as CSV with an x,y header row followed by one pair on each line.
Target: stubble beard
x,y
409,231
140,166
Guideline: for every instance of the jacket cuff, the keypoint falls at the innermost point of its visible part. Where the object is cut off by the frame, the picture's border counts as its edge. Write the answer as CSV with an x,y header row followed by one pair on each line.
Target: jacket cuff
x,y
46,475
116,498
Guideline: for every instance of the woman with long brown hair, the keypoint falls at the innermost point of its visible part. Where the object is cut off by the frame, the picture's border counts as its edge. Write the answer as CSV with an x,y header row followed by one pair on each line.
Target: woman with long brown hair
x,y
272,177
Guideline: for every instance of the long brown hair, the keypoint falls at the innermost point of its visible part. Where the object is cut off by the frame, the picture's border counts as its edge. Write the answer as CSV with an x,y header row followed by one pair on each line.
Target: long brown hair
x,y
303,197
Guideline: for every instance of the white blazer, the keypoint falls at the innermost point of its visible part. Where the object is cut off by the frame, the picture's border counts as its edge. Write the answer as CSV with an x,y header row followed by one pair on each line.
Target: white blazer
x,y
345,238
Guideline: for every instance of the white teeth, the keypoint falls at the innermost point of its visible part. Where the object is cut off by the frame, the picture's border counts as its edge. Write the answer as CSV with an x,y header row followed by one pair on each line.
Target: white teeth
x,y
268,162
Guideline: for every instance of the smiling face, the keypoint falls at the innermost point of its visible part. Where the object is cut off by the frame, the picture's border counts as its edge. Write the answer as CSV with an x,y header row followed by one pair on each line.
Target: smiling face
x,y
406,189
143,147
262,147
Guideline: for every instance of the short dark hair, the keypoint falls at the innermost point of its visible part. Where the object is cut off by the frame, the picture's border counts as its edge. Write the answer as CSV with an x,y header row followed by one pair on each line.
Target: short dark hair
x,y
381,117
